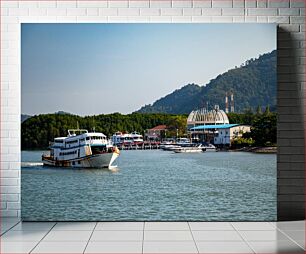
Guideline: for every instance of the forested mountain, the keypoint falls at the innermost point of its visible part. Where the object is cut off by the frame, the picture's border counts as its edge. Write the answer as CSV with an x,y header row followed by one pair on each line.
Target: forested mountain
x,y
253,85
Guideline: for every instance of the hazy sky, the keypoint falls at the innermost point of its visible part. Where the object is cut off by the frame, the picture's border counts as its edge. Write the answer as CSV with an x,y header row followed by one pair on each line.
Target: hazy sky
x,y
91,69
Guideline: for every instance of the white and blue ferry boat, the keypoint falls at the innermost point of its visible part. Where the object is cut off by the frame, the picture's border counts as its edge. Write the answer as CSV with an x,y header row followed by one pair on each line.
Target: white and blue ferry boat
x,y
81,149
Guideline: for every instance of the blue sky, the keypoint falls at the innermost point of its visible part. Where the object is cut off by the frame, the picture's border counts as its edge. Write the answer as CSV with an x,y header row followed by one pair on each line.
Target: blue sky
x,y
91,69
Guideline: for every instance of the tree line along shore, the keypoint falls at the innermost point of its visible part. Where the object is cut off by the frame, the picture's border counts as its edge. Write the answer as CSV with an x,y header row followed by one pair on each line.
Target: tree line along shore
x,y
37,131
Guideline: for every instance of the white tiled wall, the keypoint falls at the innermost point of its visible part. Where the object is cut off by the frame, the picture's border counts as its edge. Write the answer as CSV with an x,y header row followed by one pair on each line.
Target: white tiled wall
x,y
290,14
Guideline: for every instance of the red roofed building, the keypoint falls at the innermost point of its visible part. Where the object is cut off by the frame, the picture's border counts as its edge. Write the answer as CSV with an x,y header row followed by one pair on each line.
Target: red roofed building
x,y
156,133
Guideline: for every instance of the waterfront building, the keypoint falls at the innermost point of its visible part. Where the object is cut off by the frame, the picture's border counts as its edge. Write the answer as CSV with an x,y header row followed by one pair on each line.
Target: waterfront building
x,y
213,127
202,117
156,133
223,134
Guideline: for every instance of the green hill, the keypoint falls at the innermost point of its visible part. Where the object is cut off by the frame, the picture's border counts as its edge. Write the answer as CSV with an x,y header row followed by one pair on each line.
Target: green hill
x,y
253,85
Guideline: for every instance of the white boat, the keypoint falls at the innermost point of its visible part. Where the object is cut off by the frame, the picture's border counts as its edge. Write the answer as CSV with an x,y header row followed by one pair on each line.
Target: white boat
x,y
191,149
81,149
183,142
127,139
136,137
209,147
166,143
170,147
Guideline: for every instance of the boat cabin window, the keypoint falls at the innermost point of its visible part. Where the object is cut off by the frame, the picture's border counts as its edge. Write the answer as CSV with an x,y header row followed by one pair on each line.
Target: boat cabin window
x,y
87,138
98,149
72,142
68,153
58,141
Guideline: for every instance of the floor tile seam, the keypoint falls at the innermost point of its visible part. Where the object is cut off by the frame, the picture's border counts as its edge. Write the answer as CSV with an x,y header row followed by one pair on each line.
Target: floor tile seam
x,y
173,230
93,230
10,228
78,230
142,242
42,238
116,230
272,224
244,240
290,238
237,229
101,241
193,238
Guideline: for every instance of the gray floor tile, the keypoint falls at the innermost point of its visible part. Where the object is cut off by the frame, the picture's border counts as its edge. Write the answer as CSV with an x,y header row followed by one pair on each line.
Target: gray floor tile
x,y
120,226
22,236
297,236
166,226
33,226
216,236
60,247
67,236
276,247
119,236
114,247
253,226
6,224
224,226
273,235
17,247
168,236
223,247
169,247
69,226
290,225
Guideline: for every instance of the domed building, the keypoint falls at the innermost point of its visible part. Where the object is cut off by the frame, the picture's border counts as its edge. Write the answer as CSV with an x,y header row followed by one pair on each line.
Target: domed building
x,y
213,127
205,117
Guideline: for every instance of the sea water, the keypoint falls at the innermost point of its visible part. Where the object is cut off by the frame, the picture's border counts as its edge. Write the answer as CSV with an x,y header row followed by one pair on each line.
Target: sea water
x,y
153,185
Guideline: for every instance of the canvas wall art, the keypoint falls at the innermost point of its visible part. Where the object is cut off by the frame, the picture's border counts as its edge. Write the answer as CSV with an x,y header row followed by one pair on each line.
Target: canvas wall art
x,y
148,122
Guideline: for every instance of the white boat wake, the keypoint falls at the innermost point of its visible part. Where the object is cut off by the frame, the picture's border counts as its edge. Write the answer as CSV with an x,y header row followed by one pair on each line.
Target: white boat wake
x,y
113,168
31,164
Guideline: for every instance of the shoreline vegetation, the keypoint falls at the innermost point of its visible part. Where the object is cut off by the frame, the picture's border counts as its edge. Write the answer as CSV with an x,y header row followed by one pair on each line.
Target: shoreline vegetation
x,y
260,149
37,131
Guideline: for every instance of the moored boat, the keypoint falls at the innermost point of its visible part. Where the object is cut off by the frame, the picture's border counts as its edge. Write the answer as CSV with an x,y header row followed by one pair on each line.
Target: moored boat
x,y
170,147
191,149
209,147
81,149
127,139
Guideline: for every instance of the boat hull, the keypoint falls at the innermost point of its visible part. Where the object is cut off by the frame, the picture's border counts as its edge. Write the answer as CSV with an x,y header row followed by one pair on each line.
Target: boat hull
x,y
189,151
104,160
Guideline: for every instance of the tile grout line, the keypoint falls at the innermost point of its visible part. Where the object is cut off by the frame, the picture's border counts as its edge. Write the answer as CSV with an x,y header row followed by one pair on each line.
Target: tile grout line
x,y
42,238
143,232
90,237
245,241
14,225
193,237
291,239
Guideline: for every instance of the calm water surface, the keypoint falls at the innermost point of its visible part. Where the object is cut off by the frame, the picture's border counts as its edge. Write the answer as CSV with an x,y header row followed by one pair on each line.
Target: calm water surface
x,y
154,185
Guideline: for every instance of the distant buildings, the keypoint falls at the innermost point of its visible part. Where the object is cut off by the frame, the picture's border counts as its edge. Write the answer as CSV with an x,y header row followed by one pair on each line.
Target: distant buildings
x,y
213,127
156,133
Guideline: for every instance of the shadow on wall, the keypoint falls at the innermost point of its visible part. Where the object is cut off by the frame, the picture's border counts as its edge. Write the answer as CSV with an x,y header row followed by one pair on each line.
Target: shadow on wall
x,y
290,129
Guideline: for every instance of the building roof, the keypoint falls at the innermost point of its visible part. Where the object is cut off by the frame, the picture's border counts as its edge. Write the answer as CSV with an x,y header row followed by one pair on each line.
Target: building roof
x,y
203,116
159,127
214,126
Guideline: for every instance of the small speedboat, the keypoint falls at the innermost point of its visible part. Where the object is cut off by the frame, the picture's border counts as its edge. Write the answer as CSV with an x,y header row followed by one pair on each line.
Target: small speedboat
x,y
194,149
171,147
209,147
